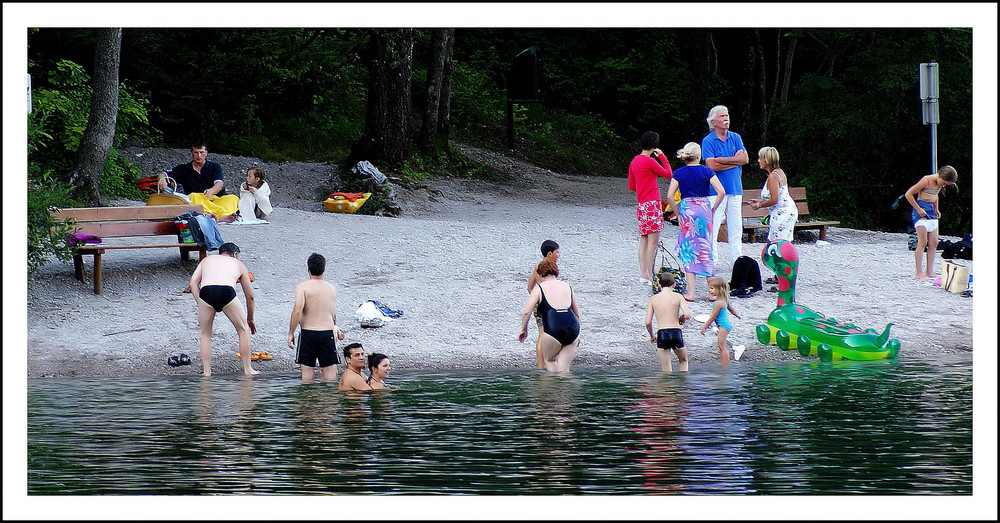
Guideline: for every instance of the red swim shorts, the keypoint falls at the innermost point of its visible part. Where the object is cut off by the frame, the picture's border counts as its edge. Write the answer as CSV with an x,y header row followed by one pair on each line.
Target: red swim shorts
x,y
650,216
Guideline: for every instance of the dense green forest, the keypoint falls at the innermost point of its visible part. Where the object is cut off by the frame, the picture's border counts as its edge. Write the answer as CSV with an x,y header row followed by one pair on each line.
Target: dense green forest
x,y
841,105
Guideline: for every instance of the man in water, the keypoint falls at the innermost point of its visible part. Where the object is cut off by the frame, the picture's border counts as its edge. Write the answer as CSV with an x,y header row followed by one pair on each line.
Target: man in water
x,y
724,153
213,285
352,378
198,176
315,312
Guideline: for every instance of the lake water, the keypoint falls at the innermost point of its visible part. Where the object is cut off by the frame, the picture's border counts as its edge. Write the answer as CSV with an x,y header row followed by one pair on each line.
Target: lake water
x,y
876,427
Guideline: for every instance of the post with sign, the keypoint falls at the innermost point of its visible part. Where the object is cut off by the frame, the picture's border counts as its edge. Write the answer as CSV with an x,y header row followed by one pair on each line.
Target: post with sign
x,y
929,105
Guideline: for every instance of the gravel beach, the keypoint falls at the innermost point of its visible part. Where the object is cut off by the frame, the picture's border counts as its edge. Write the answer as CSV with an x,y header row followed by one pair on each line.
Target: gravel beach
x,y
456,262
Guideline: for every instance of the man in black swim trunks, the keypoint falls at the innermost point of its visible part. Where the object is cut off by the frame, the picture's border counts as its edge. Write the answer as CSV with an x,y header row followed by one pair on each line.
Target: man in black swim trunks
x,y
667,306
315,312
213,285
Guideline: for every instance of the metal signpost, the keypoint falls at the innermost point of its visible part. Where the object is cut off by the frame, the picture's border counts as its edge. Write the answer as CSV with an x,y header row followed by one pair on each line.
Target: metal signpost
x,y
929,104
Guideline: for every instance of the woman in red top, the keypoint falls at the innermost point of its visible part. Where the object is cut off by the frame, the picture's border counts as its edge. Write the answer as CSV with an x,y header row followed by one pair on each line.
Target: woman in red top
x,y
642,173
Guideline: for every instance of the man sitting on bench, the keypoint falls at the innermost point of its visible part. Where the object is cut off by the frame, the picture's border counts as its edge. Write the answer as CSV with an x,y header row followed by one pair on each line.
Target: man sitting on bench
x,y
213,285
201,181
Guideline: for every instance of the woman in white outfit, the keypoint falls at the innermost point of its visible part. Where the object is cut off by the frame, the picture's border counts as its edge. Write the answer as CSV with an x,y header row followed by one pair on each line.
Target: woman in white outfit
x,y
255,196
774,196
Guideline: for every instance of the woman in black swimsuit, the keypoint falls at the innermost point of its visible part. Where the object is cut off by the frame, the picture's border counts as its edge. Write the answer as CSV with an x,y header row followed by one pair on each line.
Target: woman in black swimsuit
x,y
560,317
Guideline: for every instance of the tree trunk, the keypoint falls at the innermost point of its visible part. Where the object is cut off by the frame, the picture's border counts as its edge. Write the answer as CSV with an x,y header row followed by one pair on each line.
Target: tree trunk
x,y
744,106
702,69
788,68
99,135
777,69
444,107
386,136
435,77
761,96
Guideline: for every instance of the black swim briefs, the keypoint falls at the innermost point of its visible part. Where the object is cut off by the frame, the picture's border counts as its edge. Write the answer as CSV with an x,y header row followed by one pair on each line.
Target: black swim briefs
x,y
317,346
218,296
667,339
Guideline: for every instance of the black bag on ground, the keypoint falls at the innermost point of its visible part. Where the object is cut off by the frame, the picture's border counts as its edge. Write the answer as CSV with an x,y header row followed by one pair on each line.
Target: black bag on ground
x,y
961,249
746,276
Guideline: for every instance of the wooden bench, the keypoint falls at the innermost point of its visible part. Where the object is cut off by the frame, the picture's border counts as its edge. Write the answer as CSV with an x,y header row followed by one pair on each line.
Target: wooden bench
x,y
123,222
799,195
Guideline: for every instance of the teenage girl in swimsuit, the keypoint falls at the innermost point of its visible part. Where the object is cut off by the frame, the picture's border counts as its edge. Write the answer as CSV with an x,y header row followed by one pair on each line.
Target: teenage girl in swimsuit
x,y
378,367
923,197
718,290
560,317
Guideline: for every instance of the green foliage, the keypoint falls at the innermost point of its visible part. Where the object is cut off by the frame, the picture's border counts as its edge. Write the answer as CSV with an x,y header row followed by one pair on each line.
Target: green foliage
x,y
58,121
120,177
277,94
453,164
46,237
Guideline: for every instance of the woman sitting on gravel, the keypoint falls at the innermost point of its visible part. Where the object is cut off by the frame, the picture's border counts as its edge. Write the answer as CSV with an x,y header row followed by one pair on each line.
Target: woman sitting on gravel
x,y
694,214
560,317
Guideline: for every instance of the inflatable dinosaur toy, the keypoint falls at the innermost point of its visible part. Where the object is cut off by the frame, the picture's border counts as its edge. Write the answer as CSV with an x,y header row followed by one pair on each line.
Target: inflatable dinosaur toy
x,y
793,326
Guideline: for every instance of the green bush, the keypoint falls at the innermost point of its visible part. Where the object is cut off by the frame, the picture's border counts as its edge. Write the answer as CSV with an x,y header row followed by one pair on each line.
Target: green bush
x,y
57,123
47,237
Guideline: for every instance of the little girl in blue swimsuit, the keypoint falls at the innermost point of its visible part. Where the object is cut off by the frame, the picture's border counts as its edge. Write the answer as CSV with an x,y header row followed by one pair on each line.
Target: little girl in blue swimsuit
x,y
718,291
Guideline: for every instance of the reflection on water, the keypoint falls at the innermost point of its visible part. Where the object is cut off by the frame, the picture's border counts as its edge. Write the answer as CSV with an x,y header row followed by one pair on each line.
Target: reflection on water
x,y
781,428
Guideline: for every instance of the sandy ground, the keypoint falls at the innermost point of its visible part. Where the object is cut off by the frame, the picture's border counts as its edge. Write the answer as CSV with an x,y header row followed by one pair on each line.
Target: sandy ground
x,y
456,262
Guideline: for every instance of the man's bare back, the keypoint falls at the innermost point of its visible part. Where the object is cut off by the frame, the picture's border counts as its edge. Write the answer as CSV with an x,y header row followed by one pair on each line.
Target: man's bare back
x,y
319,300
220,270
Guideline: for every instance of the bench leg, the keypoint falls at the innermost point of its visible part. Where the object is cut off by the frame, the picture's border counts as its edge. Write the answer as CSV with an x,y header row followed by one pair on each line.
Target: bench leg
x,y
184,254
78,266
202,253
97,273
822,233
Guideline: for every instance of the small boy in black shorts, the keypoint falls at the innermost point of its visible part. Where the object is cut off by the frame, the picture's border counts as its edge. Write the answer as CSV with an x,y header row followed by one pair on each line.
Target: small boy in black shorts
x,y
666,305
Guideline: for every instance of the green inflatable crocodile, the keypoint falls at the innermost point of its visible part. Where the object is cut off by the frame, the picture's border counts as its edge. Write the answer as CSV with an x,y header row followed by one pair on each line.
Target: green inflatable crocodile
x,y
793,326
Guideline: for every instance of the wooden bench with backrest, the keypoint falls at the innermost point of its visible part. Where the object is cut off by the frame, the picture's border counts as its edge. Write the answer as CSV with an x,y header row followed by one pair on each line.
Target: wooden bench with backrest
x,y
799,195
125,222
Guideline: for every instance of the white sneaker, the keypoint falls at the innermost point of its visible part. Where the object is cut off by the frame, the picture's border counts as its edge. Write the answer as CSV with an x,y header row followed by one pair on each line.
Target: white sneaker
x,y
644,281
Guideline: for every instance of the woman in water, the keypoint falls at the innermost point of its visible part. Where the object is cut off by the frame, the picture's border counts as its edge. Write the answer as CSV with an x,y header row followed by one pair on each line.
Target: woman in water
x,y
560,317
378,369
